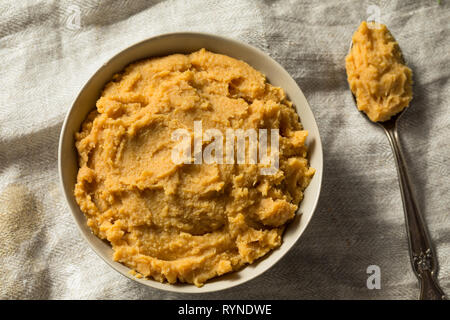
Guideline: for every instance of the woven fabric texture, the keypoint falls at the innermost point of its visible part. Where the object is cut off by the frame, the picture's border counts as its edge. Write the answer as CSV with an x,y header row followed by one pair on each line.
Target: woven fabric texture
x,y
49,49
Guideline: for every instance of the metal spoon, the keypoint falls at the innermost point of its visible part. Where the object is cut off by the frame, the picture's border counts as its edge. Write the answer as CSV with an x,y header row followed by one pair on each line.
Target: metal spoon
x,y
423,258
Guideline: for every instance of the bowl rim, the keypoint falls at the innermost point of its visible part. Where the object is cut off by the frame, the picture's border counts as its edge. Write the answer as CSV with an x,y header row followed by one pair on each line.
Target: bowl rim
x,y
150,282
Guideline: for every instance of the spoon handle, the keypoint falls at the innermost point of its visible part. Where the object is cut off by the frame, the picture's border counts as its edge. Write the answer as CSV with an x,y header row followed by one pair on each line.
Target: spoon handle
x,y
421,251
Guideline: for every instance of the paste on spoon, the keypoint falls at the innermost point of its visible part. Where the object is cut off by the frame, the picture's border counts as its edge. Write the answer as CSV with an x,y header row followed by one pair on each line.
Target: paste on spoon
x,y
378,77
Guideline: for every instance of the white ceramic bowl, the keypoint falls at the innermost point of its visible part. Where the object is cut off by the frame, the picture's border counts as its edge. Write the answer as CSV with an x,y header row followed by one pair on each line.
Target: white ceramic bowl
x,y
186,43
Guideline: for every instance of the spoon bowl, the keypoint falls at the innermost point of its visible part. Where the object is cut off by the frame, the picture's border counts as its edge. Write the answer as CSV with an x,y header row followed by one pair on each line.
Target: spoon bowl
x,y
392,122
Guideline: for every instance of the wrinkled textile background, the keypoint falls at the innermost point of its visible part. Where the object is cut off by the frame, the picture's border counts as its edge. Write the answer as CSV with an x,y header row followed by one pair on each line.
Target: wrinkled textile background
x,y
47,54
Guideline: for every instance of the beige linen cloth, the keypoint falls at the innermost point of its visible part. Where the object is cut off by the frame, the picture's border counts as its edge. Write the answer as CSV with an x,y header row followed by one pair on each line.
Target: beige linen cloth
x,y
49,49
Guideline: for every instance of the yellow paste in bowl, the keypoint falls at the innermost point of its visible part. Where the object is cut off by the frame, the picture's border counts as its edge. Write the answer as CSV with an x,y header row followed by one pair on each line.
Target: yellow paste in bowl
x,y
187,222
